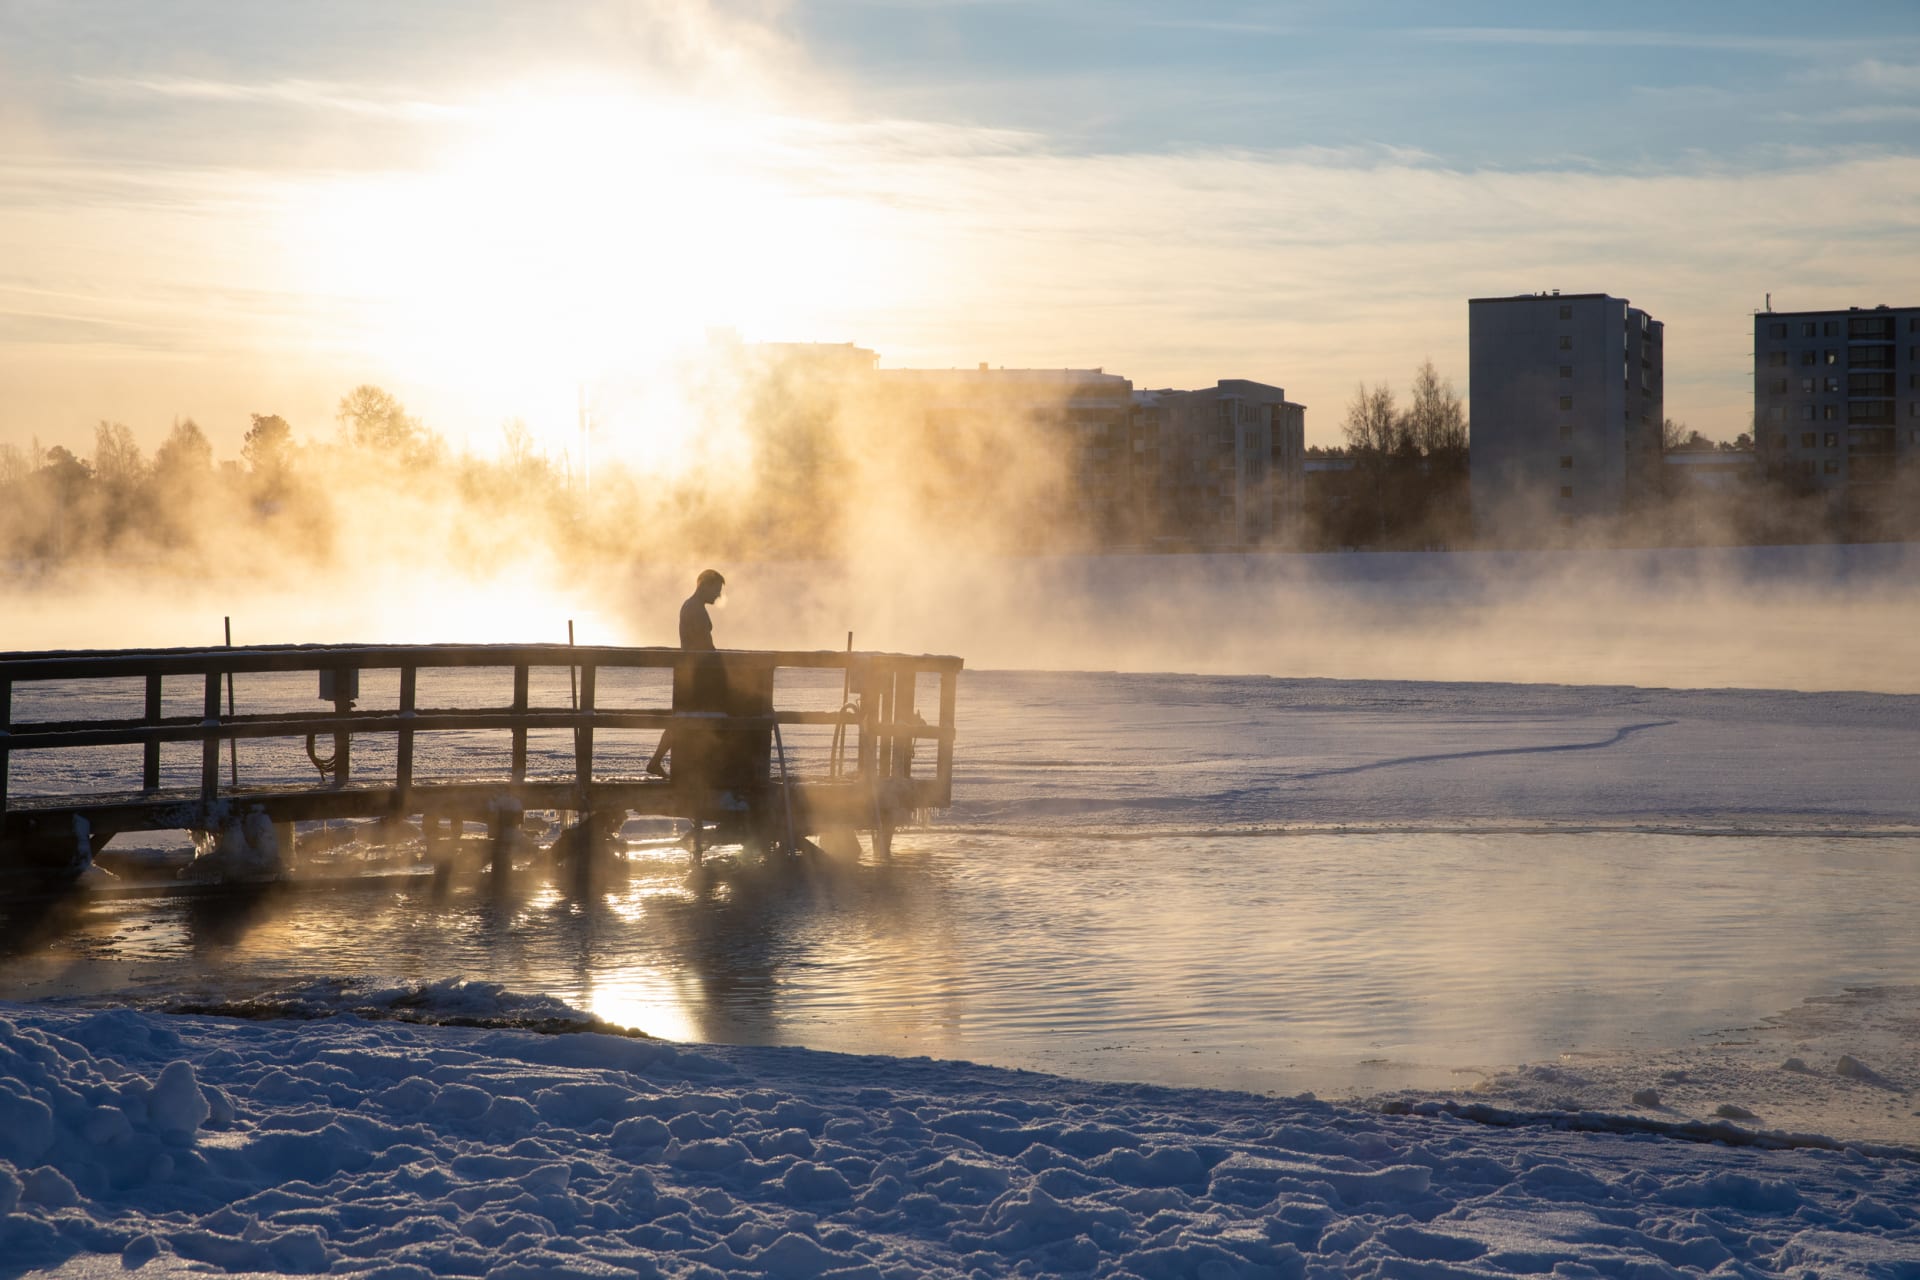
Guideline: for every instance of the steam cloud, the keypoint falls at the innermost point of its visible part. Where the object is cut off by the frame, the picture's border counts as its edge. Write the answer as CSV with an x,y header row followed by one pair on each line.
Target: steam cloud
x,y
838,504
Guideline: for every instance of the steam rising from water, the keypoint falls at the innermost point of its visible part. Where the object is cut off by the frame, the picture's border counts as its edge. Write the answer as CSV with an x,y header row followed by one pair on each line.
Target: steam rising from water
x,y
836,500
1844,617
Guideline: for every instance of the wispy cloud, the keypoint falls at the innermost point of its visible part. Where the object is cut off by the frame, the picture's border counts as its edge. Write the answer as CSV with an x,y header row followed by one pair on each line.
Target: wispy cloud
x,y
1895,77
1796,46
1888,113
306,94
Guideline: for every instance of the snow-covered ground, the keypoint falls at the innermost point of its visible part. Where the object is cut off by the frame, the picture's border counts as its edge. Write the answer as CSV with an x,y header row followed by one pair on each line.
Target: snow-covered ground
x,y
161,1146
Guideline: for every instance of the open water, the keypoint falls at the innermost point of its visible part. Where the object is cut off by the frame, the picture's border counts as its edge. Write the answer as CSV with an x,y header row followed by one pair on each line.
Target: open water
x,y
1336,886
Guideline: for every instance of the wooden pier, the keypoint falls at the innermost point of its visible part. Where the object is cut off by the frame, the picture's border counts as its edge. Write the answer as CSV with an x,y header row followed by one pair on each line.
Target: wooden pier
x,y
749,765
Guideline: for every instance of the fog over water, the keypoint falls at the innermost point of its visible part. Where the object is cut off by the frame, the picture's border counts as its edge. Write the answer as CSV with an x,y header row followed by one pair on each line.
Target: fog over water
x,y
1820,617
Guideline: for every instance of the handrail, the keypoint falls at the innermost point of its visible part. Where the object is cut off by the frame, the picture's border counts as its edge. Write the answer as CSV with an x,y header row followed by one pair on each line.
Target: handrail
x,y
84,664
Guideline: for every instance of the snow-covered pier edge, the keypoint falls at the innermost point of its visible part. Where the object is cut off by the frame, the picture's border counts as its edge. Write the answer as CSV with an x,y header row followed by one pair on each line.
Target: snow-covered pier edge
x,y
160,1143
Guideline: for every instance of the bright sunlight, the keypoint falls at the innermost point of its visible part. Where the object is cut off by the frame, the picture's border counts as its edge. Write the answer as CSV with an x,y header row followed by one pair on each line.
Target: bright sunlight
x,y
570,241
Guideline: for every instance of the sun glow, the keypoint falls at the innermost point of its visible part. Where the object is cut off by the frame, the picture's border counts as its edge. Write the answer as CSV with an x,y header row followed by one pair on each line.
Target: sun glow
x,y
585,241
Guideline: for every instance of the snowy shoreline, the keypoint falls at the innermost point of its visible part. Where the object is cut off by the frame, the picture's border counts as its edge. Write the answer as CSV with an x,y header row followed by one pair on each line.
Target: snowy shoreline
x,y
133,1140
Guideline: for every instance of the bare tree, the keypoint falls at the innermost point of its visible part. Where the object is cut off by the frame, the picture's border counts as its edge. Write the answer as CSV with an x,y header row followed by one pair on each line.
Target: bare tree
x,y
374,419
521,452
117,463
1436,421
15,465
1373,425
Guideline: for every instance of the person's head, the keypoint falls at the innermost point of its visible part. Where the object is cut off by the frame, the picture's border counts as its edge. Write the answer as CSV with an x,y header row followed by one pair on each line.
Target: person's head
x,y
709,585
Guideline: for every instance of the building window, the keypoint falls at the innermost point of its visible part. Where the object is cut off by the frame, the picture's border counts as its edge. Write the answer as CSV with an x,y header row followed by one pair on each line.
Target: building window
x,y
1776,330
1777,413
1778,386
1832,329
1784,440
1831,440
1808,439
1566,491
1773,358
1832,467
1566,312
1833,382
1566,462
1566,431
1829,412
1809,329
1807,385
1566,342
1809,356
1566,371
1806,413
1566,402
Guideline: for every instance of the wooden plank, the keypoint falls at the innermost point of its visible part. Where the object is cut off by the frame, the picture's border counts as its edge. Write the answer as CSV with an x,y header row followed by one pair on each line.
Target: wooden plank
x,y
888,692
210,742
583,737
943,760
6,737
150,756
870,716
101,664
905,684
344,679
403,749
52,736
520,725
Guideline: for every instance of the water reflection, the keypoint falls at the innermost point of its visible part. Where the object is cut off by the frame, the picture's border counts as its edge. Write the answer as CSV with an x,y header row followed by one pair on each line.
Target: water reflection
x,y
1320,961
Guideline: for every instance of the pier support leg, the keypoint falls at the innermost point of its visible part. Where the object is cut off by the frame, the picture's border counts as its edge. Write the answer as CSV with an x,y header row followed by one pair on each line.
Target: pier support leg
x,y
499,847
283,839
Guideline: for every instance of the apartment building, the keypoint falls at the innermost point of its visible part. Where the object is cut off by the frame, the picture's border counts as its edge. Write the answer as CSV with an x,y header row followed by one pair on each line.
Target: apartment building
x,y
1565,402
1836,405
1227,463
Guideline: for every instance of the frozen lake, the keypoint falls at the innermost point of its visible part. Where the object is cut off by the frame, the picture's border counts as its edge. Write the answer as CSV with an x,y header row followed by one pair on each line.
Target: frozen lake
x,y
1280,885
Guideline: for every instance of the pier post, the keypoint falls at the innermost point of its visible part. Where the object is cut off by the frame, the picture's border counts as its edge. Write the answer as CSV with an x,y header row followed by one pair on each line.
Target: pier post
x,y
943,766
344,685
905,681
520,729
210,742
150,752
6,733
403,752
583,741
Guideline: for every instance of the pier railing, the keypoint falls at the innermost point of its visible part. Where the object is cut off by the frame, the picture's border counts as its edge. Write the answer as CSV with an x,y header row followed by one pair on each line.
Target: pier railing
x,y
874,775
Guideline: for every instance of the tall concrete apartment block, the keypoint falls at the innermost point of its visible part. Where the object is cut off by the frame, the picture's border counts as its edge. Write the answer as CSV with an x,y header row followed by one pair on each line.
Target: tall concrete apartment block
x,y
1564,410
1836,403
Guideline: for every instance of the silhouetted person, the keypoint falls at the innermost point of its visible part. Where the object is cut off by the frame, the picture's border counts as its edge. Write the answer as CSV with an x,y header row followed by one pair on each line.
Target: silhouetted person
x,y
700,685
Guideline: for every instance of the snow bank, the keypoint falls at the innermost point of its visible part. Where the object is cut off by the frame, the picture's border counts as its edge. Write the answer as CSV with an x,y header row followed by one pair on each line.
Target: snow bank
x,y
341,1146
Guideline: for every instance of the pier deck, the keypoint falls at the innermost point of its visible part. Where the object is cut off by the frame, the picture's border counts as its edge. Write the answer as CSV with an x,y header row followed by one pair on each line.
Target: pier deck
x,y
783,745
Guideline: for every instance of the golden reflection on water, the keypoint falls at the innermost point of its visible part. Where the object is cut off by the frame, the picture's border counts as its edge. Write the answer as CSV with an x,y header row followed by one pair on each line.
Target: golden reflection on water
x,y
1268,962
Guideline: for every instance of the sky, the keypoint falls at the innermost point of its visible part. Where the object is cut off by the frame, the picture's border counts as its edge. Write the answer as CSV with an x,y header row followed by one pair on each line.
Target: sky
x,y
495,210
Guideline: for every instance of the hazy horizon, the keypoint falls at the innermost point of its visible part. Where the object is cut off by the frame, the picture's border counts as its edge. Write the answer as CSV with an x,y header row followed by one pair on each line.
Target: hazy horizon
x,y
211,211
